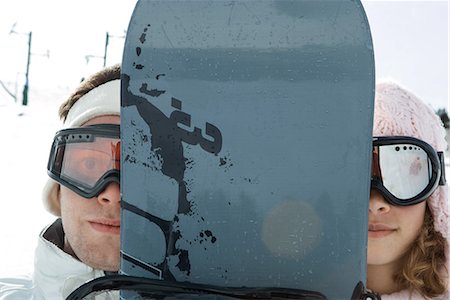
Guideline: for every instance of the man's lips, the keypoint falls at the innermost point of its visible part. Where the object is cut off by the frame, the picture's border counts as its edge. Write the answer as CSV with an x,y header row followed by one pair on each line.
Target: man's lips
x,y
106,225
377,230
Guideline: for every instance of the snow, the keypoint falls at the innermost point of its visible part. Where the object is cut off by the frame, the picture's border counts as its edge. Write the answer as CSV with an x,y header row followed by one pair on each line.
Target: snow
x,y
26,136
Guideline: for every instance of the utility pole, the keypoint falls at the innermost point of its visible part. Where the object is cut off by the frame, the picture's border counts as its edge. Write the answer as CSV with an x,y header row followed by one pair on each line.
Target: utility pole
x,y
108,36
27,72
106,49
105,53
25,87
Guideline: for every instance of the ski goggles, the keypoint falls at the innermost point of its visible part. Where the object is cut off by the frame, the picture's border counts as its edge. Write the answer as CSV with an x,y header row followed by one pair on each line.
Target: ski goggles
x,y
86,159
406,170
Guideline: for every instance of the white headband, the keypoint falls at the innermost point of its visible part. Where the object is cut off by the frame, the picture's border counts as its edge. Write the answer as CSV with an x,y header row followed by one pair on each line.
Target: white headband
x,y
100,101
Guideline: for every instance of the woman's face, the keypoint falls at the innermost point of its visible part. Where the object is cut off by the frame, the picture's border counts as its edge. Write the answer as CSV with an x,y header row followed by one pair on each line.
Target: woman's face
x,y
392,229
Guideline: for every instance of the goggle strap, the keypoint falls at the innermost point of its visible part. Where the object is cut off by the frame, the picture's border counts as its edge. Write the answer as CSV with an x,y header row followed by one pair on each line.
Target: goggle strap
x,y
442,179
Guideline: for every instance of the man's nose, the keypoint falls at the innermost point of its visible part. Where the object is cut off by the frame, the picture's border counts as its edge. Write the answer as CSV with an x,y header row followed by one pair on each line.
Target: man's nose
x,y
110,195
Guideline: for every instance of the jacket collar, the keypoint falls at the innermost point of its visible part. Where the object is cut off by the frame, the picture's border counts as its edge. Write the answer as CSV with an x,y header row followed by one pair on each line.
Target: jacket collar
x,y
57,273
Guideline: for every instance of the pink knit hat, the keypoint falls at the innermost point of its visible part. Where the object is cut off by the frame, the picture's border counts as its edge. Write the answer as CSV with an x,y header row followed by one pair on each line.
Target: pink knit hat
x,y
399,112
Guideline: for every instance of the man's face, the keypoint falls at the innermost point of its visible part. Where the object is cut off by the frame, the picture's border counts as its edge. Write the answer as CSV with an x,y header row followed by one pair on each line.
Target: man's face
x,y
92,226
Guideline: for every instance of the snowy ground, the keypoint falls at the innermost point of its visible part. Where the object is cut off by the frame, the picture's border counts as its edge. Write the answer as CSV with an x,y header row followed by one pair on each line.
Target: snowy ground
x,y
26,135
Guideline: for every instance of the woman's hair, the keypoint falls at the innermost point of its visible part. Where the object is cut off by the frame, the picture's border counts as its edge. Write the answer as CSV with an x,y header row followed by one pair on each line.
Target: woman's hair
x,y
99,78
424,268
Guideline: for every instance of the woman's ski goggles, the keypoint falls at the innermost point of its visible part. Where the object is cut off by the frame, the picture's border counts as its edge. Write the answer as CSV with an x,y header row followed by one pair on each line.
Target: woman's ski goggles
x,y
86,159
406,170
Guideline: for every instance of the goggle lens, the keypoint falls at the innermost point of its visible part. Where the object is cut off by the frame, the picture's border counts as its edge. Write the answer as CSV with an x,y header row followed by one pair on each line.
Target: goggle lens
x,y
86,163
404,169
86,159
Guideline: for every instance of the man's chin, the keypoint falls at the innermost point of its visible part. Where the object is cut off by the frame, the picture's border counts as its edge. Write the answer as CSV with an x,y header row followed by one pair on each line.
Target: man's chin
x,y
100,260
109,265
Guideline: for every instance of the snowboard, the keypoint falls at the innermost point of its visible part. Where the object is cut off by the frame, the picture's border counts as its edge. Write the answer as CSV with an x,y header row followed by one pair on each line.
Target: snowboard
x,y
246,133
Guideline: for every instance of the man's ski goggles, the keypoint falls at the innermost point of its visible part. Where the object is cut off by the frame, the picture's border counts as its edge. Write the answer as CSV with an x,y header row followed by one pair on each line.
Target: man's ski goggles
x,y
406,170
86,159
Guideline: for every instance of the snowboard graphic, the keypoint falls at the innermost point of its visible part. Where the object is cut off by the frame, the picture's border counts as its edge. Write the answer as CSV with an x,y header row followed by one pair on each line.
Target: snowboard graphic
x,y
246,144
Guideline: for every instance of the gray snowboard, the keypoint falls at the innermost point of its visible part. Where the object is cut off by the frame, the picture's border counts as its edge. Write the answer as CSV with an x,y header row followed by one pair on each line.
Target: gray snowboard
x,y
246,143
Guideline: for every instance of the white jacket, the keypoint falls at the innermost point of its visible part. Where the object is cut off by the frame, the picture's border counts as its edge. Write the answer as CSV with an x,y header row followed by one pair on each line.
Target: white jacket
x,y
56,274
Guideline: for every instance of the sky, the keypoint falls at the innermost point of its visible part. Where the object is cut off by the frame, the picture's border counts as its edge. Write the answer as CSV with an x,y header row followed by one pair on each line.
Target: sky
x,y
411,45
410,39
69,30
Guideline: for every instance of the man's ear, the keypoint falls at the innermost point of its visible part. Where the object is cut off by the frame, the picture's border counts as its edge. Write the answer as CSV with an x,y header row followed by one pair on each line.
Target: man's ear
x,y
51,197
57,205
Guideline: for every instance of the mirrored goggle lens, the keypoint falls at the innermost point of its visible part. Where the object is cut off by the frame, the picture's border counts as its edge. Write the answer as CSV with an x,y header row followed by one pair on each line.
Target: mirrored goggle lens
x,y
404,169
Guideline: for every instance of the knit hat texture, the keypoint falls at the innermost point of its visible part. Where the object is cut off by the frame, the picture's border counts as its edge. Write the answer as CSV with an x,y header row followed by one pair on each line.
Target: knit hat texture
x,y
103,100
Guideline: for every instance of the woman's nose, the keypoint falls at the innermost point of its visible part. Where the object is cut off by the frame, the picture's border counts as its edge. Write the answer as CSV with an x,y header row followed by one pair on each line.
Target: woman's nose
x,y
378,204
